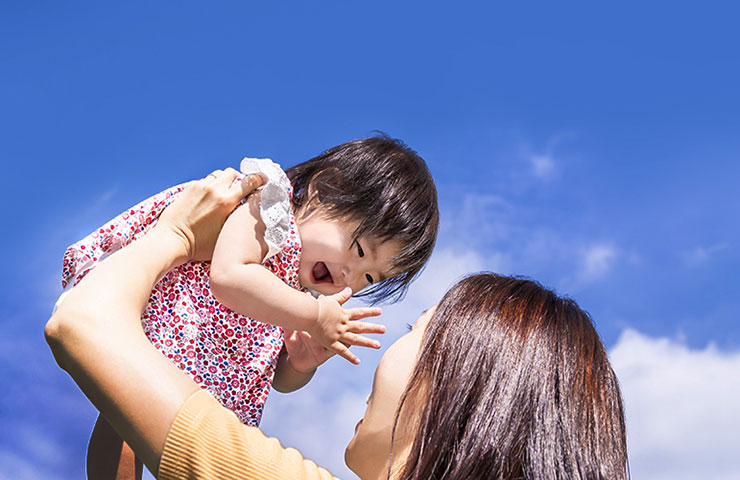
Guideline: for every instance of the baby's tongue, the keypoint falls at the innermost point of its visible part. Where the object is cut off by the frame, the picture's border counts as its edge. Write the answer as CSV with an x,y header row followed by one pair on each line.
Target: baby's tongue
x,y
320,272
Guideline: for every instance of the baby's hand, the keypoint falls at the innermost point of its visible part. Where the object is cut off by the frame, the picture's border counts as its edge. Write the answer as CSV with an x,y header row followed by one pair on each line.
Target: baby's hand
x,y
304,353
337,329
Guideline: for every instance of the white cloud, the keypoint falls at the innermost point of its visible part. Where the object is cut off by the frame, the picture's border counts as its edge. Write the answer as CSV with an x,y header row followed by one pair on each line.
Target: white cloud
x,y
701,255
683,420
478,218
543,166
543,163
446,266
596,261
511,238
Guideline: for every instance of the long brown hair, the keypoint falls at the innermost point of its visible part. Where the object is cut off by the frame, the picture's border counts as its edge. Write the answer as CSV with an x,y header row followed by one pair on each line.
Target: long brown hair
x,y
516,385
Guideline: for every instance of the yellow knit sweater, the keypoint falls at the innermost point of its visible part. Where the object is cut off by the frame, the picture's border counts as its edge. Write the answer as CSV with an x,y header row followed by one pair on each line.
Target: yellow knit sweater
x,y
207,441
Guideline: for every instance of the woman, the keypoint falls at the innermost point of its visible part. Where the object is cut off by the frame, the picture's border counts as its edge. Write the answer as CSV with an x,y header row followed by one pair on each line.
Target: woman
x,y
502,380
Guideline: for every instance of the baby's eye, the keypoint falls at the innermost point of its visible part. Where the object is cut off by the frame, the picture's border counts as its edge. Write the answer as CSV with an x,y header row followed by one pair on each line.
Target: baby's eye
x,y
360,251
409,327
368,277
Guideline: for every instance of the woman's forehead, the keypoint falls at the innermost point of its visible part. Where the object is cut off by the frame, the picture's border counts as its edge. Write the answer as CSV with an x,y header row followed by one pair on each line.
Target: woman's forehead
x,y
424,318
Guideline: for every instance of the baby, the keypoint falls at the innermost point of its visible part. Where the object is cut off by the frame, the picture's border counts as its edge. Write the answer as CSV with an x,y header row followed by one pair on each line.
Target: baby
x,y
360,217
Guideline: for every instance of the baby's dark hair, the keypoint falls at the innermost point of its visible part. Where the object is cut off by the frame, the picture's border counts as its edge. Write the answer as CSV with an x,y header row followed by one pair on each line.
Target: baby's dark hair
x,y
387,188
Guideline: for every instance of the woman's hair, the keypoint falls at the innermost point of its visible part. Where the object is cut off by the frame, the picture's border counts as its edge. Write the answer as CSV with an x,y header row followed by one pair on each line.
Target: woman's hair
x,y
515,384
386,187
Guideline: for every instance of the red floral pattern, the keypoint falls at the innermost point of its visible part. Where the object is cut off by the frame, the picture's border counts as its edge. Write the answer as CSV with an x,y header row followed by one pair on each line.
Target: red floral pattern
x,y
231,355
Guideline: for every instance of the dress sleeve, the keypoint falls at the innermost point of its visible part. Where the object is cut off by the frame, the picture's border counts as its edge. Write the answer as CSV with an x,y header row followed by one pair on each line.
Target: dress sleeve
x,y
275,201
207,441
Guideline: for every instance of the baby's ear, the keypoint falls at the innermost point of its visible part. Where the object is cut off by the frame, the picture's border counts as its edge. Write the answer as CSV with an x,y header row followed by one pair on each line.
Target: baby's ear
x,y
312,192
308,207
317,189
323,181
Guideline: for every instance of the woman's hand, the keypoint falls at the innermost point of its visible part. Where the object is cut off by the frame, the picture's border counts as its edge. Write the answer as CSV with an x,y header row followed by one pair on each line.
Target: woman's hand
x,y
198,213
96,333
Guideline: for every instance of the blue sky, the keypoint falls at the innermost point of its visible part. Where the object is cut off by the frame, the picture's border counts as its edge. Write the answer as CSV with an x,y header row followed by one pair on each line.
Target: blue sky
x,y
591,147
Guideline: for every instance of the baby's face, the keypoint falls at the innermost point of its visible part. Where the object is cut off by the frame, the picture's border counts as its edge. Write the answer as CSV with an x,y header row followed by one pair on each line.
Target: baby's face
x,y
331,258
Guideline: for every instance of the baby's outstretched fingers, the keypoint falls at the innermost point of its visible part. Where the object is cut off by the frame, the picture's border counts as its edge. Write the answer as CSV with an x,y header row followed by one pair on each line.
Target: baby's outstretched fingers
x,y
350,338
343,351
342,296
363,312
365,327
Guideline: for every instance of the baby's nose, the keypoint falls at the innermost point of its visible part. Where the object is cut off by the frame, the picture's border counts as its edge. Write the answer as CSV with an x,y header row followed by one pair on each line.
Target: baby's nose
x,y
349,275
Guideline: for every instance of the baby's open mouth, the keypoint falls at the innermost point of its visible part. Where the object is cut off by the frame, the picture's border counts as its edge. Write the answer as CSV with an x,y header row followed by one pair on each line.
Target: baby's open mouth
x,y
320,273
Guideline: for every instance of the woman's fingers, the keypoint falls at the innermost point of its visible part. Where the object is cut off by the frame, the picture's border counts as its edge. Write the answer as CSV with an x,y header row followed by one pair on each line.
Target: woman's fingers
x,y
221,180
213,175
199,212
225,177
247,185
224,183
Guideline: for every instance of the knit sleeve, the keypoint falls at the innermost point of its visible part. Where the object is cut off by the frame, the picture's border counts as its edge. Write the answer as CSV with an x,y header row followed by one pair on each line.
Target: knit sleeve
x,y
207,440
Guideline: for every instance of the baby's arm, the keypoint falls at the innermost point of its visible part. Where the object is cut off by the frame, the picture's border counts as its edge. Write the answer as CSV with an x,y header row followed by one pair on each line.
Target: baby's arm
x,y
239,281
301,354
299,358
288,378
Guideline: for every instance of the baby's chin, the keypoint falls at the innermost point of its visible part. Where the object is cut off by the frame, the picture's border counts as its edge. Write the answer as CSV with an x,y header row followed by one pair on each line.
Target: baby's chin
x,y
314,293
316,289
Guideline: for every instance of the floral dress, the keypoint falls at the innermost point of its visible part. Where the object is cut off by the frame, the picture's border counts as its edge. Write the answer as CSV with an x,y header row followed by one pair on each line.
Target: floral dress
x,y
231,355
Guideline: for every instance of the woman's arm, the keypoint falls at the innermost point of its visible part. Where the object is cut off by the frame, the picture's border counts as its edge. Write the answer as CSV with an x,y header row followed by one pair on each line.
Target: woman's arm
x,y
96,335
207,441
